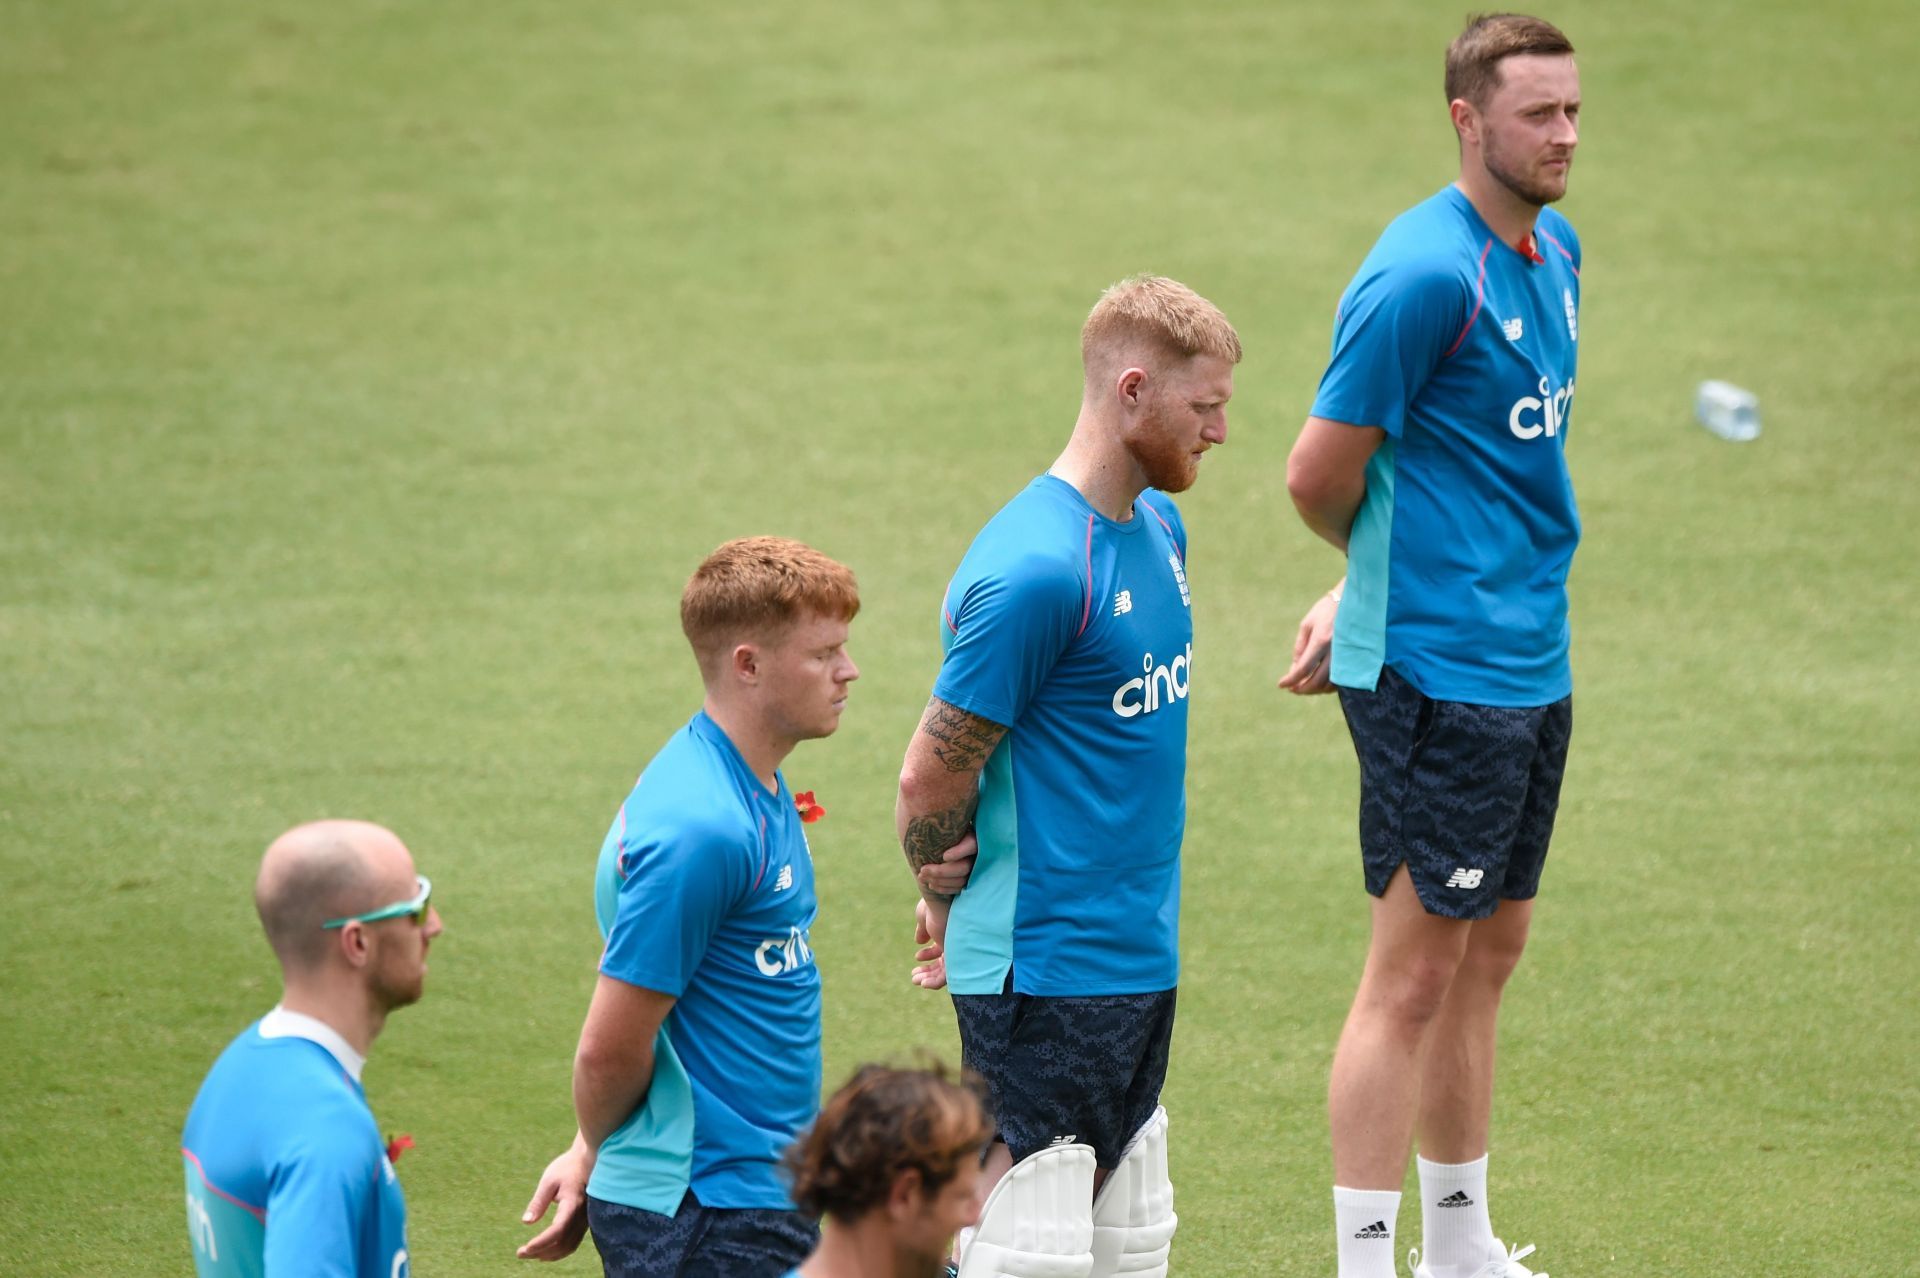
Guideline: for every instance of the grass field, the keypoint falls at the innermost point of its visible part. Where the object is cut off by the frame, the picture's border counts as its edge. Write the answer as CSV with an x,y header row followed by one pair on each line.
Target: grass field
x,y
372,375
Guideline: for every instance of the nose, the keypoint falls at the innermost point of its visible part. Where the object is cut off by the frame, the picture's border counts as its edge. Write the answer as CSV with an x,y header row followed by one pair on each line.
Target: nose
x,y
1566,132
850,672
434,927
1215,432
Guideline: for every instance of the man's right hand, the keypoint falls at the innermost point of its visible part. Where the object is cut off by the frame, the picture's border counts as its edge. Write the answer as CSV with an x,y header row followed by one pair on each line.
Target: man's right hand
x,y
950,873
563,1186
930,932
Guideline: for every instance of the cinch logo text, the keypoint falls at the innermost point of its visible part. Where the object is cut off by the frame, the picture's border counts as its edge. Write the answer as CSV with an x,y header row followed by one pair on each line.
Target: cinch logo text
x,y
783,954
1531,418
1157,686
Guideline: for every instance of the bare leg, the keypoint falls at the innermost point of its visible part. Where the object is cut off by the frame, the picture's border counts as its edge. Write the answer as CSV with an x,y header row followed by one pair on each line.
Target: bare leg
x,y
1456,1080
1375,1093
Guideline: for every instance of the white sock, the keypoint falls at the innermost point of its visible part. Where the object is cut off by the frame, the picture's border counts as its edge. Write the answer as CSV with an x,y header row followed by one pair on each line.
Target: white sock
x,y
1455,1233
1363,1219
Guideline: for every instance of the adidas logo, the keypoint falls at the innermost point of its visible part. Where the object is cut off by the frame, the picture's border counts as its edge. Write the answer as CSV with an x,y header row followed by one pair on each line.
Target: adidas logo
x,y
1458,1198
1378,1229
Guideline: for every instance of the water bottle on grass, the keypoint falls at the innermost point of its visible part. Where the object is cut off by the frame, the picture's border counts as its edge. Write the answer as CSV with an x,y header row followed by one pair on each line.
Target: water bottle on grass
x,y
1728,411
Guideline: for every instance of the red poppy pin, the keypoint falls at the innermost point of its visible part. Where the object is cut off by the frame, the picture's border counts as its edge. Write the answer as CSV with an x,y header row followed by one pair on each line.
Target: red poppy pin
x,y
809,810
397,1146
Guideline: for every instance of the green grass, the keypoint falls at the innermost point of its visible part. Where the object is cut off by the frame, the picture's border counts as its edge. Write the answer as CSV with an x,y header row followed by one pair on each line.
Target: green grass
x,y
373,374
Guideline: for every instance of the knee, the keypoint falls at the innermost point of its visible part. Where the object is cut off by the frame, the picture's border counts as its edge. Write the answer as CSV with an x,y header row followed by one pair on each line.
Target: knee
x,y
1410,995
1491,960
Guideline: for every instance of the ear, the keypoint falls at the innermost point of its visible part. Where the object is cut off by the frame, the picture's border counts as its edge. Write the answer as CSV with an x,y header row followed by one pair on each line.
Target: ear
x,y
1130,385
1466,120
903,1199
355,945
744,662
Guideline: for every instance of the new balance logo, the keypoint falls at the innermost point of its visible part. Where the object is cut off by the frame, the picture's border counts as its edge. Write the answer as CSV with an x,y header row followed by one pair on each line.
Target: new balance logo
x,y
1514,329
1458,1198
1123,602
1466,878
785,880
1378,1229
1068,1139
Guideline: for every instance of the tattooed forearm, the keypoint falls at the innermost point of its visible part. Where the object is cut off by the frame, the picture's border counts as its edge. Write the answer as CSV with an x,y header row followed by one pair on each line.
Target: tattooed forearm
x,y
927,837
964,740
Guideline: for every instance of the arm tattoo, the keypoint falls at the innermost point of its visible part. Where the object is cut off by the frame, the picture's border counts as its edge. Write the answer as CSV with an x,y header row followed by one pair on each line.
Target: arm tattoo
x,y
965,740
928,836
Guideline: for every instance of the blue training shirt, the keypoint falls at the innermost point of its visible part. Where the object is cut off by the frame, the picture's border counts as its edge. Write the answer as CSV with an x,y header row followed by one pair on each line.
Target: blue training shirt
x,y
1462,349
705,892
285,1169
1075,631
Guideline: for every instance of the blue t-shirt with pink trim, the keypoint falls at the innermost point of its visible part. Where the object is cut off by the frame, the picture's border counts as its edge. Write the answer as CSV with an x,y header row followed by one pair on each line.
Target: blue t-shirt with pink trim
x,y
285,1169
704,892
1462,348
1075,631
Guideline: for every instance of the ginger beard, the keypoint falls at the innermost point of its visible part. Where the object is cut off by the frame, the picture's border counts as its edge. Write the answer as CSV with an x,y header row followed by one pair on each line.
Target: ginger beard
x,y
1163,449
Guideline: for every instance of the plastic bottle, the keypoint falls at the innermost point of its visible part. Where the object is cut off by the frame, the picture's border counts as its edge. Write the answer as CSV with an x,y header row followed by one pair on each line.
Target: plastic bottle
x,y
1728,411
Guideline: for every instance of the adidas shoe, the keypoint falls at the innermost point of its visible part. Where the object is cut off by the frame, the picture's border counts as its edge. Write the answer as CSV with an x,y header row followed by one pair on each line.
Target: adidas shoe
x,y
1507,1266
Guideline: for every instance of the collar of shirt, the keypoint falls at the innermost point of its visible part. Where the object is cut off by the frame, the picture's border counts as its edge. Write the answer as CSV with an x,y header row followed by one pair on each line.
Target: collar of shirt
x,y
280,1023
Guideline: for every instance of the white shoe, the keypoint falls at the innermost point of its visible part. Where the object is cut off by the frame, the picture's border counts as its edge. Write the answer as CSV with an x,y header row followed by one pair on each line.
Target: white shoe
x,y
1507,1266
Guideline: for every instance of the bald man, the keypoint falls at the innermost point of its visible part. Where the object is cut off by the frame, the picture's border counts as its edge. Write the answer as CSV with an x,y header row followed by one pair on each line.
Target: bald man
x,y
286,1169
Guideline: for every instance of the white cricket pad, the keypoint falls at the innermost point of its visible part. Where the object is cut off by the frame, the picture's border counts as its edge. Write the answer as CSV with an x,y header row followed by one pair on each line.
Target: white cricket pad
x,y
1038,1221
1133,1220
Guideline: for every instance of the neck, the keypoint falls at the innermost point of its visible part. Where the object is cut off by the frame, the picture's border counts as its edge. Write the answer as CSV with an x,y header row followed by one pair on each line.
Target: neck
x,y
852,1251
761,748
343,1007
1099,466
1510,216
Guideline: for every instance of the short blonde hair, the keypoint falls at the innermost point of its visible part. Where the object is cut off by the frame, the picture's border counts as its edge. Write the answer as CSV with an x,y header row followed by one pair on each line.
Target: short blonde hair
x,y
756,587
1156,311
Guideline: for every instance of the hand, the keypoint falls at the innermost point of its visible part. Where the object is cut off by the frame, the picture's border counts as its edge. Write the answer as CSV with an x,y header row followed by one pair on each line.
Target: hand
x,y
930,932
949,874
563,1186
1311,671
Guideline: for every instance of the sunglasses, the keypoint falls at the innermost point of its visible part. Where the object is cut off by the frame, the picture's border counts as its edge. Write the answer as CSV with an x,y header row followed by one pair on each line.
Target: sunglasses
x,y
416,908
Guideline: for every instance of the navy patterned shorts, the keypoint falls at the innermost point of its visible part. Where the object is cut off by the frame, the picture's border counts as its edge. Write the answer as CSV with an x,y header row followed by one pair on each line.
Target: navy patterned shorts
x,y
699,1242
1463,794
1085,1069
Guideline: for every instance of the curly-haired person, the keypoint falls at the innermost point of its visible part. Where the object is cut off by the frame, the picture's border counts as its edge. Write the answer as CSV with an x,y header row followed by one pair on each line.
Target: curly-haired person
x,y
893,1164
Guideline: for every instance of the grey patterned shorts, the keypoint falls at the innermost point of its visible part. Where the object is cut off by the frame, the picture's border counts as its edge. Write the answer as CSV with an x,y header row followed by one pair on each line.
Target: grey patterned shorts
x,y
1085,1069
699,1242
1464,795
